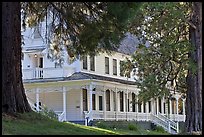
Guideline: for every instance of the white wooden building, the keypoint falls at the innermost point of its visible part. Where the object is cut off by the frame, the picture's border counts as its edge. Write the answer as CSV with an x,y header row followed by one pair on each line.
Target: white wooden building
x,y
92,88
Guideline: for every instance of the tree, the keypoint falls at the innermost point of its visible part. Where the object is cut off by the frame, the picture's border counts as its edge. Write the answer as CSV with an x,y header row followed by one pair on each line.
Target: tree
x,y
174,58
13,95
90,27
194,78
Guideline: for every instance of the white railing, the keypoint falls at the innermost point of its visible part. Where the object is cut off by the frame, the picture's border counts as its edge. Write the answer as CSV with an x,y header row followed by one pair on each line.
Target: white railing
x,y
47,72
167,124
87,117
33,106
113,115
174,125
178,117
60,115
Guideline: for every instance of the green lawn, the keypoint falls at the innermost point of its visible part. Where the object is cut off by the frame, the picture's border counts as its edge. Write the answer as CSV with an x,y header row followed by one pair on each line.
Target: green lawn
x,y
37,124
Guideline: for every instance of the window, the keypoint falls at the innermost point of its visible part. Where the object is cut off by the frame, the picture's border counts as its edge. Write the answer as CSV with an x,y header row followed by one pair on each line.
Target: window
x,y
85,107
22,56
121,101
94,101
133,102
114,67
85,62
92,63
121,69
139,107
106,65
149,106
144,106
107,100
100,103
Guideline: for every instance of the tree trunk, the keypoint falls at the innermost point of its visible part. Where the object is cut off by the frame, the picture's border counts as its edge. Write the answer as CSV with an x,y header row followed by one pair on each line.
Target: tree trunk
x,y
13,95
194,80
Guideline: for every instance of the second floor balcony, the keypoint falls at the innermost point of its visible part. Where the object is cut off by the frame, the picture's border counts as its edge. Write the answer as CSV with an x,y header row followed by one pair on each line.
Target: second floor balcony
x,y
40,73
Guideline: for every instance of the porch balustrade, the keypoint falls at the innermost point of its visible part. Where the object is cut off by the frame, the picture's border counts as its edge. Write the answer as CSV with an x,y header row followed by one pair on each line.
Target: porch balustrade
x,y
112,115
35,73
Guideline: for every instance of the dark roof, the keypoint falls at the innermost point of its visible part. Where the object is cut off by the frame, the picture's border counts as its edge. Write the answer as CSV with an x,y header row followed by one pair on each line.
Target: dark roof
x,y
80,76
129,44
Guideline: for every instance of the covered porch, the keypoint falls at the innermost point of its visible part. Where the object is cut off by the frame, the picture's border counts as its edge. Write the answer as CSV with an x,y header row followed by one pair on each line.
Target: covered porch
x,y
84,98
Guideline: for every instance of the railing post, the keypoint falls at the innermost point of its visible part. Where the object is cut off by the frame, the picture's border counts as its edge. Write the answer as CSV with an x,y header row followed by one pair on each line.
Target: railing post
x,y
169,126
116,102
177,124
64,102
37,100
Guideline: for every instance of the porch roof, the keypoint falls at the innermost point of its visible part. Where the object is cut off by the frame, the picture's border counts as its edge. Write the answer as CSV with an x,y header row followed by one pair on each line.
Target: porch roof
x,y
80,76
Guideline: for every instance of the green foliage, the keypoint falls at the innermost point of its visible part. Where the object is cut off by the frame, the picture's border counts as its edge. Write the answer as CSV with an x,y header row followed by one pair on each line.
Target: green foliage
x,y
133,127
49,113
101,124
160,129
38,124
164,59
82,27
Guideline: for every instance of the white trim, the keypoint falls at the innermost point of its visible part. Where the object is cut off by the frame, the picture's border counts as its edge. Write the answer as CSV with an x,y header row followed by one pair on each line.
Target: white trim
x,y
64,102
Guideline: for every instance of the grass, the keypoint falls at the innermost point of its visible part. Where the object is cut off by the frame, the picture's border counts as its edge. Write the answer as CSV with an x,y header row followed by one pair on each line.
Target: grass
x,y
126,128
37,124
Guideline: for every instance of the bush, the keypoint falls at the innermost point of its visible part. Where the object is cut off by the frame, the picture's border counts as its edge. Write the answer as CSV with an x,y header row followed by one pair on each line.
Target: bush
x,y
132,127
101,125
49,113
159,129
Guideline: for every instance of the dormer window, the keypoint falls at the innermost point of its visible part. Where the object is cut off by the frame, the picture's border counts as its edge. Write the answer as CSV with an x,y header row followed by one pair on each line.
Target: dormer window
x,y
121,69
114,67
106,65
92,63
84,62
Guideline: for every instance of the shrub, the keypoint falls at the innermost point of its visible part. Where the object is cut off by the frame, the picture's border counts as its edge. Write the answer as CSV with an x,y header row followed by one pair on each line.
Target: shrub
x,y
132,127
159,129
101,125
49,113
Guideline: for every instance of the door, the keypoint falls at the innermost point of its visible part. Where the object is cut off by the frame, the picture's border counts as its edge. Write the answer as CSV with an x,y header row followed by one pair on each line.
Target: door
x,y
40,65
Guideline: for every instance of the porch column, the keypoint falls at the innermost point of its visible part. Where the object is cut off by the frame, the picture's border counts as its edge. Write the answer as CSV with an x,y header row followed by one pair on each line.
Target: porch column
x,y
124,102
37,100
184,113
111,101
116,102
177,107
104,103
162,105
136,96
64,103
127,106
142,107
90,99
147,107
157,106
128,109
170,105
